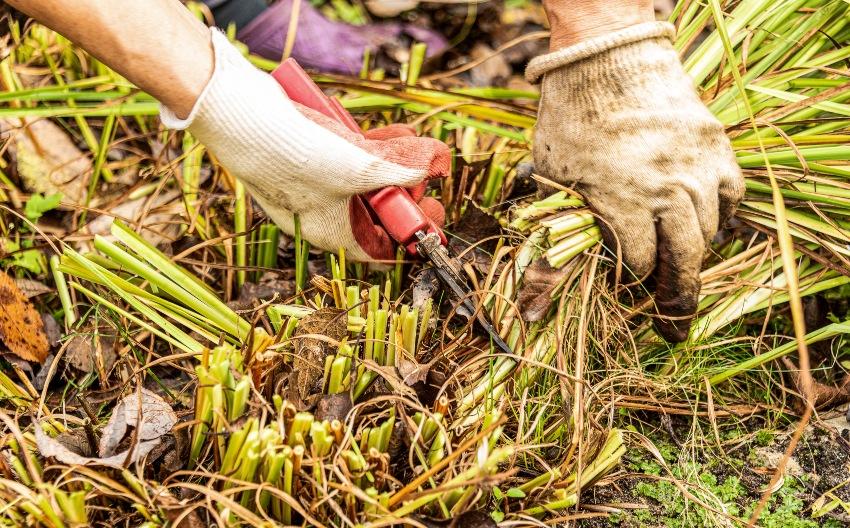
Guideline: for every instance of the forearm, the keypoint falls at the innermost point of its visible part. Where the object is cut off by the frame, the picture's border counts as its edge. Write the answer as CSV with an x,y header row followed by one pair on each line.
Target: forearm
x,y
573,21
156,44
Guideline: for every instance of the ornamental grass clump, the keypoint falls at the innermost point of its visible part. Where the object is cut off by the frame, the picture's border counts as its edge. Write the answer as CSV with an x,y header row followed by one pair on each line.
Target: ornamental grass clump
x,y
355,401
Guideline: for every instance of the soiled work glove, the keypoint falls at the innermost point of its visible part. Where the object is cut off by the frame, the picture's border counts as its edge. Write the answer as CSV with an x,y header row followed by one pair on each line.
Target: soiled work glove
x,y
294,160
620,120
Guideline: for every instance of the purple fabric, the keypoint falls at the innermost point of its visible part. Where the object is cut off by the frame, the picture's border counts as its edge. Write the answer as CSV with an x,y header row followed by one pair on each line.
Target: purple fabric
x,y
324,45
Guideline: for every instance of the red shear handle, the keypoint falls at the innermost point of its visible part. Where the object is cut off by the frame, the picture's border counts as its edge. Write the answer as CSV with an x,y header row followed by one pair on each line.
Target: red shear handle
x,y
399,214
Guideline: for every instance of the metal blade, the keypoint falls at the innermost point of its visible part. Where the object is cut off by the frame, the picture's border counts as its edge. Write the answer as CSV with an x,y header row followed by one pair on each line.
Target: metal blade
x,y
448,270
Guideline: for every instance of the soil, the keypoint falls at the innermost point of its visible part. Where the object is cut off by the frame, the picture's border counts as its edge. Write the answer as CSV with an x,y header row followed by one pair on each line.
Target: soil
x,y
820,465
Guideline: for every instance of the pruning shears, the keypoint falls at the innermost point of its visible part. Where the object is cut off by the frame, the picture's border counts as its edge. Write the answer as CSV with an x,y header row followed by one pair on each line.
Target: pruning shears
x,y
398,213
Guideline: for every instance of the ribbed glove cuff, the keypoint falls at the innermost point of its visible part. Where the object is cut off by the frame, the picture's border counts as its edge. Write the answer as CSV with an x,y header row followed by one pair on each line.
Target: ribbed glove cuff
x,y
543,64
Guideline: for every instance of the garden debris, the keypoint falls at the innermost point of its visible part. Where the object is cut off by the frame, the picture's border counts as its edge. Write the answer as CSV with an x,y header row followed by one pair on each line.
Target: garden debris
x,y
538,286
47,161
513,438
333,407
32,288
92,351
318,334
495,71
155,218
426,285
476,228
157,419
270,286
824,397
412,372
51,330
21,327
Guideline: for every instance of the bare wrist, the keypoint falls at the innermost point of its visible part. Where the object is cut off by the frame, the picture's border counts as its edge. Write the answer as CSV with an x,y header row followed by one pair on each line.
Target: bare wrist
x,y
573,21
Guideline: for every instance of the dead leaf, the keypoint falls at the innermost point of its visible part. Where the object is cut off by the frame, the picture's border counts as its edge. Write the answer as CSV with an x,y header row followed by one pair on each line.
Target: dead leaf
x,y
21,327
51,329
40,377
494,71
66,449
535,295
157,420
153,217
479,229
91,351
32,288
252,293
47,159
333,407
310,352
426,284
413,372
825,396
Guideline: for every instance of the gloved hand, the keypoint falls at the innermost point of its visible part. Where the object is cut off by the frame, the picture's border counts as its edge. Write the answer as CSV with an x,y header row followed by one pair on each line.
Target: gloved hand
x,y
620,120
294,160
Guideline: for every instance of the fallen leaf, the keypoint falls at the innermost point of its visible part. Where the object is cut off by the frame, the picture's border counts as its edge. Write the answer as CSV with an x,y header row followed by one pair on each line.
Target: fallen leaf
x,y
32,288
157,420
494,71
91,351
480,230
426,284
310,352
51,330
67,448
47,159
535,296
269,286
825,396
154,218
333,407
413,372
40,377
21,327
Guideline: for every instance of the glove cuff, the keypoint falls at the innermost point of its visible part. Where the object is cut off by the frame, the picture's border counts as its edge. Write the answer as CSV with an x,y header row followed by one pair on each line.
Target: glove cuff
x,y
543,64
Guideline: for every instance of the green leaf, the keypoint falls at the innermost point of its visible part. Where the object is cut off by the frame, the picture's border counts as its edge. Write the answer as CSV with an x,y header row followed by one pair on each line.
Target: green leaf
x,y
31,259
497,493
37,205
497,516
515,493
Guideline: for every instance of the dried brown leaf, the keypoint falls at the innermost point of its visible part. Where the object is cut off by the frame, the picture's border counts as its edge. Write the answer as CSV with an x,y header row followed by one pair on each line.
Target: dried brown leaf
x,y
32,288
90,352
157,420
333,407
48,161
311,350
535,296
21,327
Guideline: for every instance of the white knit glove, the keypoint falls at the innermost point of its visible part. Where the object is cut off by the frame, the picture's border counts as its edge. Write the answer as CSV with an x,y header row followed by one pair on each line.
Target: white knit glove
x,y
294,160
620,120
